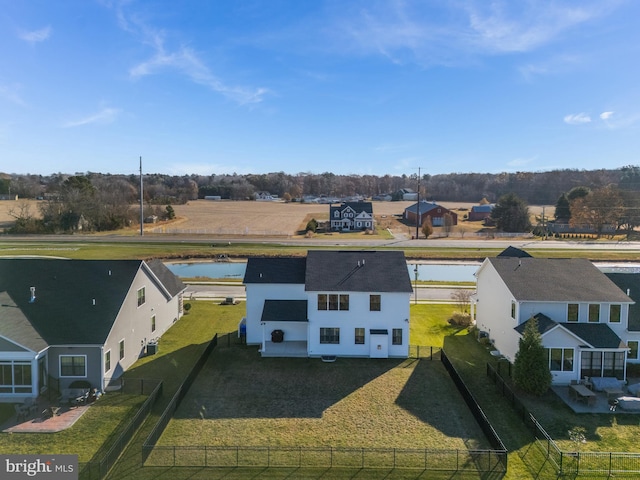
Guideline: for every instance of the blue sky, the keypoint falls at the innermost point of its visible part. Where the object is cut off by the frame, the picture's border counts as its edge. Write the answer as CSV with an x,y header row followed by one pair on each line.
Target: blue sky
x,y
345,86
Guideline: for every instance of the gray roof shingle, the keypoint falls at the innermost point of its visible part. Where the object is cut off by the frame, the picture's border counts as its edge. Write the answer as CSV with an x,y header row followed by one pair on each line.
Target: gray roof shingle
x,y
557,280
357,271
288,270
64,311
284,311
596,335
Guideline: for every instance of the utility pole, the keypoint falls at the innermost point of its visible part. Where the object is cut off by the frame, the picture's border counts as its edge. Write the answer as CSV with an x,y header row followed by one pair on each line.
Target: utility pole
x,y
141,202
418,208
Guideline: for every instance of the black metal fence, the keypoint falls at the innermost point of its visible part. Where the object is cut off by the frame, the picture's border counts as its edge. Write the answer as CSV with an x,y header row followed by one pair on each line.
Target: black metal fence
x,y
589,464
477,461
154,436
422,351
98,469
451,460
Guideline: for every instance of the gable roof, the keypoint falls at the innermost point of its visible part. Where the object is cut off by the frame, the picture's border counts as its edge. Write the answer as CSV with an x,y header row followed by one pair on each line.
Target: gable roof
x,y
426,207
169,281
556,280
284,311
487,208
287,270
357,207
64,312
15,327
357,271
513,252
594,335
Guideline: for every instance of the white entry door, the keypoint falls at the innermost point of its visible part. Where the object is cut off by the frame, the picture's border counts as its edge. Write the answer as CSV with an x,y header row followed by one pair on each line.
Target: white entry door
x,y
379,345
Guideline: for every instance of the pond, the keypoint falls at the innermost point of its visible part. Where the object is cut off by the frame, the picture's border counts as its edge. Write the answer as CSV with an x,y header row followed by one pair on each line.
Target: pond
x,y
435,271
447,272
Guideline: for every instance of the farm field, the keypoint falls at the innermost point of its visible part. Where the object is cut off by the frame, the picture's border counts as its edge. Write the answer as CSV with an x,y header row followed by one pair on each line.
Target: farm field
x,y
264,218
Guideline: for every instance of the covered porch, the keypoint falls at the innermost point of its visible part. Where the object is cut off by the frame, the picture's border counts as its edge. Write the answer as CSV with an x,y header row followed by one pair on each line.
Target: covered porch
x,y
285,328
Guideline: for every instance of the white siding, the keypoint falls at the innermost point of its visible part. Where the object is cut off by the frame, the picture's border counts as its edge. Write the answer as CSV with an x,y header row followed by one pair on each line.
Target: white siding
x,y
394,313
257,293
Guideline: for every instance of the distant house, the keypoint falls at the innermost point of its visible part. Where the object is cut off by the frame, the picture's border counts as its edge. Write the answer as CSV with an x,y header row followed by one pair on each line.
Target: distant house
x,y
582,316
331,303
418,212
480,212
68,320
265,197
406,194
351,216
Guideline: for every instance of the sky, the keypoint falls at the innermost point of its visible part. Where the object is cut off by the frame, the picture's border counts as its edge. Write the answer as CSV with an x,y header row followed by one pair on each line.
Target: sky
x,y
344,86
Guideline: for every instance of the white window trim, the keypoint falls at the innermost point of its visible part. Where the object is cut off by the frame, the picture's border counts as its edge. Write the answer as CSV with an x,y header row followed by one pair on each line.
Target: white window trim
x,y
124,353
110,360
72,376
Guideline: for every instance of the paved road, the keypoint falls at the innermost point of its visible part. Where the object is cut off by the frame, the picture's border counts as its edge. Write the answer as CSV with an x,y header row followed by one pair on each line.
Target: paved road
x,y
220,290
335,241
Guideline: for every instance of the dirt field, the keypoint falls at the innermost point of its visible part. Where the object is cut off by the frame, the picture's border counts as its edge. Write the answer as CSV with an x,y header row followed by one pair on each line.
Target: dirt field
x,y
266,218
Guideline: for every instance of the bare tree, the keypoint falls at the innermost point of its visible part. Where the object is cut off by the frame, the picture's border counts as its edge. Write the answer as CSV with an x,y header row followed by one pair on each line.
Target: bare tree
x,y
462,297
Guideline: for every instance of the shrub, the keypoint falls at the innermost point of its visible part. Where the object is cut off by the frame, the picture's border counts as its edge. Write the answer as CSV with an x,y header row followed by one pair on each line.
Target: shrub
x,y
460,319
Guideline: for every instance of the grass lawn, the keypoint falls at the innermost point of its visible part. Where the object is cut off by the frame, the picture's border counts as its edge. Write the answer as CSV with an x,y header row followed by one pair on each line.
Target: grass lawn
x,y
243,399
101,423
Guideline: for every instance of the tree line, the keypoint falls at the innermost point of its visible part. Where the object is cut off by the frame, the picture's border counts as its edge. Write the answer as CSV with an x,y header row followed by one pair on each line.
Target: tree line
x,y
96,201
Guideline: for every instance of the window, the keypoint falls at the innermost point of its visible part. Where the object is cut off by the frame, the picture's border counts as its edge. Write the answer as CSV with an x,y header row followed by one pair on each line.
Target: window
x,y
572,312
359,336
633,350
107,361
513,309
15,377
561,359
73,365
322,301
594,313
153,323
344,302
374,303
614,313
396,338
121,349
333,301
330,335
141,296
336,214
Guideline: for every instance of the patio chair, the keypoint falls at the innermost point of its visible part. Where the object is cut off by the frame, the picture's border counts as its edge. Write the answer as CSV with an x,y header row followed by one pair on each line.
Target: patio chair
x,y
21,412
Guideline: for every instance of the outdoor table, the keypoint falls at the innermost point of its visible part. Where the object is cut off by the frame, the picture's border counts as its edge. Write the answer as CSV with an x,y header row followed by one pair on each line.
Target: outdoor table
x,y
580,392
613,392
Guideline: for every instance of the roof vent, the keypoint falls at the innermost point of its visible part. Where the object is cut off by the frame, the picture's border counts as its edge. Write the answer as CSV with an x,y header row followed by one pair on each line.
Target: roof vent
x,y
32,299
93,301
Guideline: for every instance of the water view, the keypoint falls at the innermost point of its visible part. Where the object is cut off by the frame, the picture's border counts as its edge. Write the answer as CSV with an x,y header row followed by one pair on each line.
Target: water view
x,y
448,272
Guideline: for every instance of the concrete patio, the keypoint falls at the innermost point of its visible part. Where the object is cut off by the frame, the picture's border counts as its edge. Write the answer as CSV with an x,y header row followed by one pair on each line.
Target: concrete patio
x,y
285,349
38,422
599,405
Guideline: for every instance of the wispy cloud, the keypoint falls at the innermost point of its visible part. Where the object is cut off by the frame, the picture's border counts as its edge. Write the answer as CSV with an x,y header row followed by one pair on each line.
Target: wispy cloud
x,y
615,120
577,118
182,59
105,116
606,115
459,30
11,94
36,36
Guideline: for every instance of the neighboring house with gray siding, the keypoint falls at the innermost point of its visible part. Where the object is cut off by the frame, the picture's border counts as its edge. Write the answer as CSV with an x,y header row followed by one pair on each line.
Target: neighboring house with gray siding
x,y
67,320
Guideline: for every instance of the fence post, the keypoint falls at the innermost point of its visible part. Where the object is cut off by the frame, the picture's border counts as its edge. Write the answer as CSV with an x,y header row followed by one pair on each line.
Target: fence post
x,y
174,455
362,458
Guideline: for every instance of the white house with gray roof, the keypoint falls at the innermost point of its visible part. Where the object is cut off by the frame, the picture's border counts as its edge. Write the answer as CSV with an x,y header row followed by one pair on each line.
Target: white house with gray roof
x,y
331,303
64,321
582,315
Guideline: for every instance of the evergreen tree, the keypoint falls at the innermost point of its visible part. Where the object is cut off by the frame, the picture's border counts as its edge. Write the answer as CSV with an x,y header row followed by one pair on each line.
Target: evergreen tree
x,y
511,214
563,210
531,365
